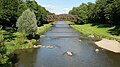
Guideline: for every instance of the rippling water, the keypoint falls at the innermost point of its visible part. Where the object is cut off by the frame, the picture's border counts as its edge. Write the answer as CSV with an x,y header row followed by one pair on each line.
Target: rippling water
x,y
65,39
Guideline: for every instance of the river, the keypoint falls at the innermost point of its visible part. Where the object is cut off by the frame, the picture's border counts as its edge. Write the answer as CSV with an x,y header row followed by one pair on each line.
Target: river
x,y
65,39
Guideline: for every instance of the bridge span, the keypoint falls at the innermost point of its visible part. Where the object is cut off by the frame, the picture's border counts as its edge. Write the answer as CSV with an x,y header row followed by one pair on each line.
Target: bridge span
x,y
62,17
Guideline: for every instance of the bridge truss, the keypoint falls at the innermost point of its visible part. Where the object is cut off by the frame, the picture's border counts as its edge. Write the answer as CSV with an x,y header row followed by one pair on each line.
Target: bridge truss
x,y
61,17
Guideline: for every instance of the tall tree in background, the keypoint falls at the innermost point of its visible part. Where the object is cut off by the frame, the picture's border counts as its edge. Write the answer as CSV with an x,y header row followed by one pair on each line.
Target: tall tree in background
x,y
101,12
81,12
116,12
9,12
39,11
90,7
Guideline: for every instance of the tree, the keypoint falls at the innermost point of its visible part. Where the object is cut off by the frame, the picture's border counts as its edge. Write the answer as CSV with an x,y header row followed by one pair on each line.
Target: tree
x,y
91,7
9,12
39,11
22,7
27,22
81,12
115,12
99,14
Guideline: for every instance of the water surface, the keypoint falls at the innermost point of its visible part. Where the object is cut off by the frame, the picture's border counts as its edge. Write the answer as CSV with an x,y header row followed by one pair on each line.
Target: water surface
x,y
65,39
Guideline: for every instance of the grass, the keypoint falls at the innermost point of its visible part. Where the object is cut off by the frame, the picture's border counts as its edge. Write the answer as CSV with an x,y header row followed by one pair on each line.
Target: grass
x,y
19,41
88,29
43,29
70,23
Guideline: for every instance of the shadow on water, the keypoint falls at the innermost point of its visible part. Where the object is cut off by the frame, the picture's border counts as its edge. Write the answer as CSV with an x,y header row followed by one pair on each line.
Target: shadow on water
x,y
65,39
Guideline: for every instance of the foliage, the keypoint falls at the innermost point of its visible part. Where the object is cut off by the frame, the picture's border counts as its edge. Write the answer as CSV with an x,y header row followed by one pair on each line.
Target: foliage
x,y
10,10
103,12
4,59
27,23
100,12
10,40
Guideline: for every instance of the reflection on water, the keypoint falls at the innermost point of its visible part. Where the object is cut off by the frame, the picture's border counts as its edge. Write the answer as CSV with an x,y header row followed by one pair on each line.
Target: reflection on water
x,y
67,39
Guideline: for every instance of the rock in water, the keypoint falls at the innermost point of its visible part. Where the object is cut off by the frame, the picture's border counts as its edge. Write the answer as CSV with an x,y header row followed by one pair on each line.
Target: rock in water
x,y
96,50
91,36
42,36
69,53
80,40
35,46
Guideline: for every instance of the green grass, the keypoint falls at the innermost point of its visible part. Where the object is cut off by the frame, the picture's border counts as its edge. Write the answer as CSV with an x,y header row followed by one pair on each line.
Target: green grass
x,y
70,23
103,32
43,29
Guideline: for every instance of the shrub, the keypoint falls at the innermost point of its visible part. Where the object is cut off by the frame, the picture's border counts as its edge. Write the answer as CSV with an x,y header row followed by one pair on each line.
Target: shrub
x,y
33,41
3,52
27,23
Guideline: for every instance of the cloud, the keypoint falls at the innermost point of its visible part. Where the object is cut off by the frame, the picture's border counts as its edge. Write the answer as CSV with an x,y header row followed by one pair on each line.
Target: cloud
x,y
66,9
49,7
56,9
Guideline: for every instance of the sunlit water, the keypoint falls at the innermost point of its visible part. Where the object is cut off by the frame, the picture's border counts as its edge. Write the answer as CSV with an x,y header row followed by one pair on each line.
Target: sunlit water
x,y
65,39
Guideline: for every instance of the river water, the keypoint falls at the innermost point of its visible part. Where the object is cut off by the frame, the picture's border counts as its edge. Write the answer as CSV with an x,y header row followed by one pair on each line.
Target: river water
x,y
65,39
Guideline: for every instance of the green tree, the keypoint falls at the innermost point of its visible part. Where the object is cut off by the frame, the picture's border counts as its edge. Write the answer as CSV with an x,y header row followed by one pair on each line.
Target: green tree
x,y
9,12
39,11
22,7
99,15
91,7
74,11
81,12
115,12
27,22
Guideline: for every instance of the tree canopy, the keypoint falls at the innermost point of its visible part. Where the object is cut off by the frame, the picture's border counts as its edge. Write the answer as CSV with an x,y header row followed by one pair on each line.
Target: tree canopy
x,y
10,10
102,11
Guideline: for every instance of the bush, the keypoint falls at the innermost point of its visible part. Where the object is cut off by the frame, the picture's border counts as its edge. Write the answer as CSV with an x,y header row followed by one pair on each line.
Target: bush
x,y
27,23
3,52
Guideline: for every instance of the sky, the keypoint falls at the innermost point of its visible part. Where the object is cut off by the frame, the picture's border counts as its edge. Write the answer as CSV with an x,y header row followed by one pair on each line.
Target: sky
x,y
61,6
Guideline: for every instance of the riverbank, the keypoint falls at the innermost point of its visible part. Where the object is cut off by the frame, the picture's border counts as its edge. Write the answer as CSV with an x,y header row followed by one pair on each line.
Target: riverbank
x,y
67,51
88,29
20,41
11,40
111,45
107,41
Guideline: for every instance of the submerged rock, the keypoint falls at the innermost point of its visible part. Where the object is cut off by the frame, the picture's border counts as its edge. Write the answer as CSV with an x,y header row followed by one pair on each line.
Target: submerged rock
x,y
80,40
96,50
40,46
42,36
91,36
69,53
